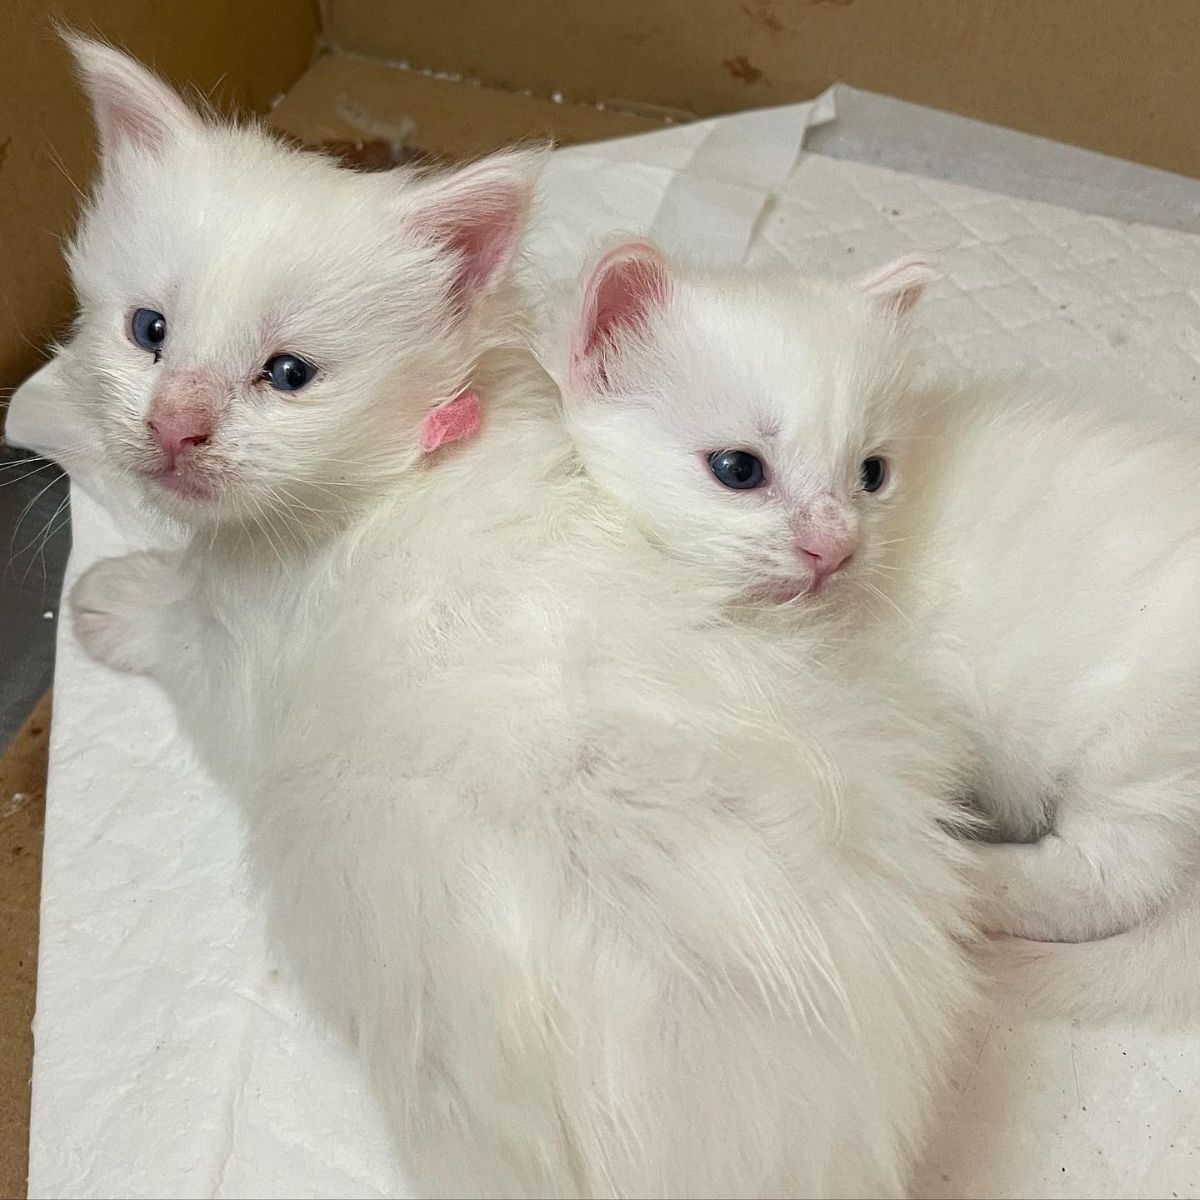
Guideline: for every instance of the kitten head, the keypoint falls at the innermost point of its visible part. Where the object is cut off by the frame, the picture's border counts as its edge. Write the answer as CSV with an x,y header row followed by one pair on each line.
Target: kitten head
x,y
263,335
753,422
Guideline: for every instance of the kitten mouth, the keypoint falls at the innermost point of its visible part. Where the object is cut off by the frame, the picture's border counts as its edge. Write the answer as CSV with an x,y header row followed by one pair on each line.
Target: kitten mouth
x,y
181,481
787,591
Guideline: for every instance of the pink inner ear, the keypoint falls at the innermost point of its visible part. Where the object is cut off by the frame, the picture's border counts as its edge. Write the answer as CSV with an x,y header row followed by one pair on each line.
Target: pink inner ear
x,y
130,104
119,121
627,284
900,284
483,240
477,213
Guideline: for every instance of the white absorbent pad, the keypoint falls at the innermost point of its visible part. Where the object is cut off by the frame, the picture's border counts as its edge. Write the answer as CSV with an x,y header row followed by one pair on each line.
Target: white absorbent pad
x,y
173,1059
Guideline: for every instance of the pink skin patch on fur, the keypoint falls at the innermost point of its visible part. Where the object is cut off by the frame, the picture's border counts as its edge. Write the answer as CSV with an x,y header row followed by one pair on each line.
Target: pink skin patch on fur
x,y
450,422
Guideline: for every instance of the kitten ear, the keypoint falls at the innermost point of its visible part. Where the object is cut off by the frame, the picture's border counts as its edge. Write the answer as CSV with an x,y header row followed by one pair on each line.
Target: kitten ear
x,y
627,284
897,287
131,106
479,214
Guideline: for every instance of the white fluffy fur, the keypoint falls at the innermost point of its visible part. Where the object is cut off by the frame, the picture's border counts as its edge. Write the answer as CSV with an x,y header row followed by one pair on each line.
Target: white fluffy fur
x,y
1062,538
1044,546
1148,971
619,899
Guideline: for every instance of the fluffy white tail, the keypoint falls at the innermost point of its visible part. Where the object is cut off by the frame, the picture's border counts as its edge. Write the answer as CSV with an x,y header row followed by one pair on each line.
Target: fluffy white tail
x,y
1152,970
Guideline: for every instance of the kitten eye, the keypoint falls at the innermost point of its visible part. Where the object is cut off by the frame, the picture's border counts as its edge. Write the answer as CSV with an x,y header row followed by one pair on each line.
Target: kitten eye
x,y
873,473
288,372
737,469
148,329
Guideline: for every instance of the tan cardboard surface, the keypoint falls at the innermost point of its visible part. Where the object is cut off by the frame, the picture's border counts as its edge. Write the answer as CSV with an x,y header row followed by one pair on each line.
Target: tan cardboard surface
x,y
445,118
1117,76
22,805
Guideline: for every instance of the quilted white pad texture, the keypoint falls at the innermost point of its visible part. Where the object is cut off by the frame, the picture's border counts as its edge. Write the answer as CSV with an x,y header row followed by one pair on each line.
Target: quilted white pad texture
x,y
171,1058
1022,283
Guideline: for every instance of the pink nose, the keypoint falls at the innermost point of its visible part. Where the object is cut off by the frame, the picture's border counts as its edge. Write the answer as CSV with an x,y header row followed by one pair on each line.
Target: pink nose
x,y
825,555
177,431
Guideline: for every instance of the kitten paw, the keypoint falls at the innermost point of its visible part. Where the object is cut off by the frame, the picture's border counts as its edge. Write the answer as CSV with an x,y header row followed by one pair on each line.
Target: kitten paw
x,y
116,607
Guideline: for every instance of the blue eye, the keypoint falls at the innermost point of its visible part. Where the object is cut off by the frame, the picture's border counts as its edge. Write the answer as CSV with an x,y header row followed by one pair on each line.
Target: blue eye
x,y
288,372
873,473
149,330
737,469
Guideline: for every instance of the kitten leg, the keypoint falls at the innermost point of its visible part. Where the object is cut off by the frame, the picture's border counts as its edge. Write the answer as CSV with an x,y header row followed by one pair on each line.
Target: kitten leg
x,y
122,610
1093,876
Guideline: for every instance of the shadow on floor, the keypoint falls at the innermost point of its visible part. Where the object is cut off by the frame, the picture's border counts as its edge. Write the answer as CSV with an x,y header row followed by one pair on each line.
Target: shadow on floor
x,y
35,537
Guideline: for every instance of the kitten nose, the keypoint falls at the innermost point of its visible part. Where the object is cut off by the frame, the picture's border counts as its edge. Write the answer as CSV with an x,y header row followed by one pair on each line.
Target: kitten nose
x,y
825,554
178,431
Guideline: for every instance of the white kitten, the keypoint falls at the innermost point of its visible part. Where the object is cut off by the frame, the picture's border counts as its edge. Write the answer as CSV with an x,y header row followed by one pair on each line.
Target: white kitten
x,y
1046,547
529,815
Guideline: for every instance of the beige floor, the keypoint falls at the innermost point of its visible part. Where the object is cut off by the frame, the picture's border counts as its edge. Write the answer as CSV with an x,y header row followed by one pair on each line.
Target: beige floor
x,y
22,807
